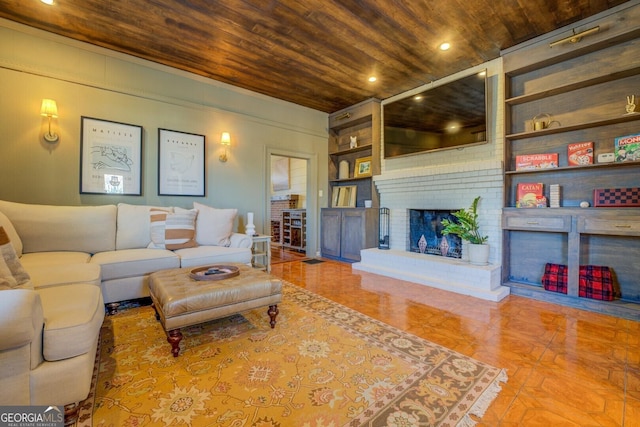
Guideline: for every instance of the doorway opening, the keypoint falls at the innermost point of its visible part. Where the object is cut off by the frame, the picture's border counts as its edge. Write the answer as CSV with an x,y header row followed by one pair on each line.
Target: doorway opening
x,y
289,216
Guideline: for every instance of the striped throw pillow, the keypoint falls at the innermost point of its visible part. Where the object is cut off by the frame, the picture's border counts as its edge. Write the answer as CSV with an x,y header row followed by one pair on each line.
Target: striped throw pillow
x,y
175,230
157,218
12,274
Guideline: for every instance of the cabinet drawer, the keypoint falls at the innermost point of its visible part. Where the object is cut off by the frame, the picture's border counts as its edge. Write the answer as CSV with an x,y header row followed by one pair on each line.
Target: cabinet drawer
x,y
540,223
628,226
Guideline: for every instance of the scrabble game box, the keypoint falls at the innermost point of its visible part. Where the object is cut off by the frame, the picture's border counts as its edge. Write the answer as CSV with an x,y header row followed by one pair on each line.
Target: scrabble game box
x,y
536,161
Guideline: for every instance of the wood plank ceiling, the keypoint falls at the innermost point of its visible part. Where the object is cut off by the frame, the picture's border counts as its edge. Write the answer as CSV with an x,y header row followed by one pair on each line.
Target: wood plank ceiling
x,y
315,53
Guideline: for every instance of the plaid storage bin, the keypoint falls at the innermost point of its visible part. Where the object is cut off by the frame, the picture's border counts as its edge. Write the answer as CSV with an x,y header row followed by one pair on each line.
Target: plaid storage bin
x,y
554,278
595,282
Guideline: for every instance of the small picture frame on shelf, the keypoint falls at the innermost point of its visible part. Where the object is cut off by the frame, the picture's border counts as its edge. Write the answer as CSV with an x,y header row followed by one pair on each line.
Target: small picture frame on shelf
x,y
363,167
344,196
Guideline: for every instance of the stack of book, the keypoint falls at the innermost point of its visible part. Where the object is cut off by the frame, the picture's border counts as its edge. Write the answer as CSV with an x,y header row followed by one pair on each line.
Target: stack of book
x,y
554,196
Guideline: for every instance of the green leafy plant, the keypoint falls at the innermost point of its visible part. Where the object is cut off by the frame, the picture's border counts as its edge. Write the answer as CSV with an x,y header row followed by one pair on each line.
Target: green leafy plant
x,y
467,227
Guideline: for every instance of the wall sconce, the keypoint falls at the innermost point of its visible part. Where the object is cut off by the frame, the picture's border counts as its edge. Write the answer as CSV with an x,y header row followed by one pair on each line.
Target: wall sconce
x,y
225,140
49,110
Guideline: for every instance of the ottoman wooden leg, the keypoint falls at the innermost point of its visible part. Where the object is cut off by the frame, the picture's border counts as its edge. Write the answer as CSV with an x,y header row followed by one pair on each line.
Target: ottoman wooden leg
x,y
273,312
174,336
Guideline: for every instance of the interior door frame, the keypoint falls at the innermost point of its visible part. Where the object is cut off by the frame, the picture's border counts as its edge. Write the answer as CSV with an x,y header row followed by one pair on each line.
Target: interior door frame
x,y
311,196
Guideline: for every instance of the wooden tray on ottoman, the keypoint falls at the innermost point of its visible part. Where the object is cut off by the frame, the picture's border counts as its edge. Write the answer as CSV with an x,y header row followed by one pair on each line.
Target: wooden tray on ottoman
x,y
214,272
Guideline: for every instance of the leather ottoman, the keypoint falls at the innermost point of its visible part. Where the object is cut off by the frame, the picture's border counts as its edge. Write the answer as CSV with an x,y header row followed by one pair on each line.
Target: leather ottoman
x,y
181,301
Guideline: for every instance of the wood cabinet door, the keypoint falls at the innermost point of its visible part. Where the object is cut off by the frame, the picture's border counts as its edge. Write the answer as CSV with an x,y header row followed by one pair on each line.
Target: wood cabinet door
x,y
331,220
352,233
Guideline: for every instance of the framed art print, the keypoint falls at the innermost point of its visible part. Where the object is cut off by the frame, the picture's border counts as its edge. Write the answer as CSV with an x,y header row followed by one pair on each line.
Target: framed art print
x,y
110,157
344,196
363,167
181,160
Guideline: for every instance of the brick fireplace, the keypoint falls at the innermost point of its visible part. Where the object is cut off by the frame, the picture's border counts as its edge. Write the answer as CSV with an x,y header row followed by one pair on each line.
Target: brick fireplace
x,y
449,187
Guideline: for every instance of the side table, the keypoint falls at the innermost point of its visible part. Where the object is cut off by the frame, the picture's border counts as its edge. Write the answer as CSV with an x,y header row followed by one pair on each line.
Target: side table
x,y
261,252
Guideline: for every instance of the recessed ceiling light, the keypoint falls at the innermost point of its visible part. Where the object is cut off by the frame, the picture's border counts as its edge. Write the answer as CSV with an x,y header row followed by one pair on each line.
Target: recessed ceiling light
x,y
47,1
372,79
445,46
417,98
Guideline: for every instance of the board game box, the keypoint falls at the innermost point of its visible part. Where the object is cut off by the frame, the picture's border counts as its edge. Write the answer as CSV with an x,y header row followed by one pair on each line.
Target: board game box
x,y
530,195
580,153
616,197
536,161
627,148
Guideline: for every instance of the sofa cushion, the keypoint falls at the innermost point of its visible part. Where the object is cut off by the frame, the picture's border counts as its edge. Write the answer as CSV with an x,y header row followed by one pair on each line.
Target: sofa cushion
x,y
64,274
44,228
11,231
73,315
134,262
172,231
207,255
44,259
12,274
214,226
133,231
20,317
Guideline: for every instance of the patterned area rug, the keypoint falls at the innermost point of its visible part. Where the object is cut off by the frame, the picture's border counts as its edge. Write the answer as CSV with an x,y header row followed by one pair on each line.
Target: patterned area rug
x,y
324,365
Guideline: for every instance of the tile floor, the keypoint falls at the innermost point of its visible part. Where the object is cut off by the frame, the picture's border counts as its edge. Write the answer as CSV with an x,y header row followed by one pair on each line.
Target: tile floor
x,y
566,367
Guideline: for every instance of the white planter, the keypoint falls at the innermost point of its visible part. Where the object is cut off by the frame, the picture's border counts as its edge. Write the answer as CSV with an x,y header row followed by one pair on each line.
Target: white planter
x,y
465,251
478,254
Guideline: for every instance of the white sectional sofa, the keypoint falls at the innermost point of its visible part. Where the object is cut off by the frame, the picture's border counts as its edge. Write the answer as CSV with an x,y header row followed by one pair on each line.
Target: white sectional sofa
x,y
117,240
78,259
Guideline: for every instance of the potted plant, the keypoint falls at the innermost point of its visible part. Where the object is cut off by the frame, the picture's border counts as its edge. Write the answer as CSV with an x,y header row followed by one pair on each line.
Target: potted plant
x,y
468,229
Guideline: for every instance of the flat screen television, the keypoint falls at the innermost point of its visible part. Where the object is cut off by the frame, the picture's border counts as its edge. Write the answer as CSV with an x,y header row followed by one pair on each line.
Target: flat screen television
x,y
447,116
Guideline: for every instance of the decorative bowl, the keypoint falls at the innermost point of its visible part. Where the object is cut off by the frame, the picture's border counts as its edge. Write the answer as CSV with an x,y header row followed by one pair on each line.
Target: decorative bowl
x,y
214,272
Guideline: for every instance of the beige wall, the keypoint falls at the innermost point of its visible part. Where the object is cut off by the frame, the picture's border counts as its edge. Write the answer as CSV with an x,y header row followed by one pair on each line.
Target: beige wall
x,y
94,82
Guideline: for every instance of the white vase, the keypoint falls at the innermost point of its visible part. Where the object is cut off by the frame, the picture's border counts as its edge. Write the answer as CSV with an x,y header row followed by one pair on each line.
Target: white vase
x,y
478,254
343,170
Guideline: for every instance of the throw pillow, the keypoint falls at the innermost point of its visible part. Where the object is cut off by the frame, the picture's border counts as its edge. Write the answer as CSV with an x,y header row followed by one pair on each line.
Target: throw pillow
x,y
11,231
12,274
180,229
157,218
172,231
214,226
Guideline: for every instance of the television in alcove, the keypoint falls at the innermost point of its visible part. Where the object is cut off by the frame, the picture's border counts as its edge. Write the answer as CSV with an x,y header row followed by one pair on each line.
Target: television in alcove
x,y
448,116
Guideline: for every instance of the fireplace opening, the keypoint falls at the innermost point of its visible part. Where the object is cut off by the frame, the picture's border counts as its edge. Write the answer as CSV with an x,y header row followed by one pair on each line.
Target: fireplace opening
x,y
425,233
